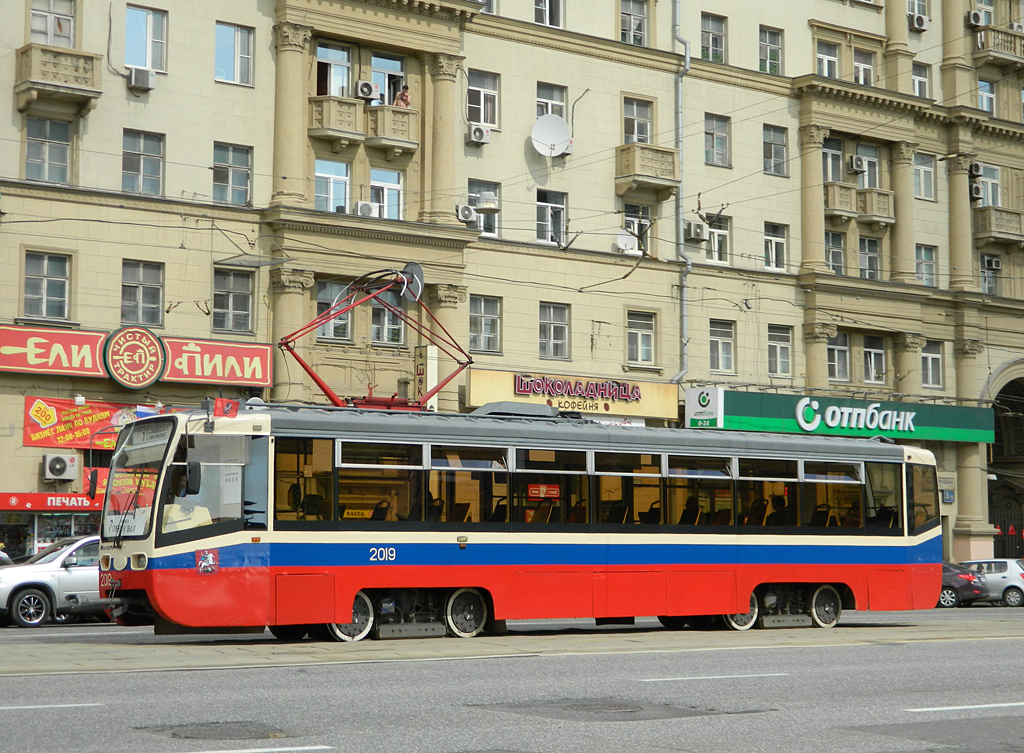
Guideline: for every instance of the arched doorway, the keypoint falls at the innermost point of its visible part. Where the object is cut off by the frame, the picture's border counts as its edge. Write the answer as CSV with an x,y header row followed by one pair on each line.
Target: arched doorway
x,y
1006,490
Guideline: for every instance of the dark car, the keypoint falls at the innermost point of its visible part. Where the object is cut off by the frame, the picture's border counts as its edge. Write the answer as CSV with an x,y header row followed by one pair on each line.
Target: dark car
x,y
961,586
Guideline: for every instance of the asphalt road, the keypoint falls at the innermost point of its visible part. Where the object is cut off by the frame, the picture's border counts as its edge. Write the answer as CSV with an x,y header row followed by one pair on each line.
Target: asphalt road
x,y
943,680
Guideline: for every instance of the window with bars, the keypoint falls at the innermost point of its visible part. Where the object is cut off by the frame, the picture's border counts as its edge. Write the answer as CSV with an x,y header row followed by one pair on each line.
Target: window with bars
x,y
142,292
142,162
640,337
722,341
554,330
485,323
46,285
232,300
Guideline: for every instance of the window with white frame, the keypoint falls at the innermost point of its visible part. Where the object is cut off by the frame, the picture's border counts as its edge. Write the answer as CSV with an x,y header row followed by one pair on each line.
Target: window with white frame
x,y
633,22
388,72
637,221
386,192
987,96
774,246
917,7
551,217
832,161
488,6
637,120
233,54
924,176
780,348
989,182
924,257
722,341
232,173
838,349
142,292
386,324
640,337
775,156
331,186
548,12
835,252
874,359
870,177
717,249
550,100
716,140
770,50
142,162
328,294
487,224
554,330
47,150
989,278
46,285
919,76
864,67
53,22
712,38
987,10
828,60
333,70
931,364
232,300
870,261
482,98
485,323
145,38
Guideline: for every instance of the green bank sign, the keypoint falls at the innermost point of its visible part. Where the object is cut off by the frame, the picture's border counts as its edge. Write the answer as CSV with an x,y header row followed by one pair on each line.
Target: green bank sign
x,y
716,408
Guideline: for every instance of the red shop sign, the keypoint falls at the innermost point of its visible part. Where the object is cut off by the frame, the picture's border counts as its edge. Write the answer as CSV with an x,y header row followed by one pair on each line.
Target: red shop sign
x,y
214,362
37,350
58,422
47,502
543,491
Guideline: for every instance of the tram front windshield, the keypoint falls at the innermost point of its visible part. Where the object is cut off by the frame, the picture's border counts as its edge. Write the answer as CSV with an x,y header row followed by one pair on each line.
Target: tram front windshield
x,y
134,478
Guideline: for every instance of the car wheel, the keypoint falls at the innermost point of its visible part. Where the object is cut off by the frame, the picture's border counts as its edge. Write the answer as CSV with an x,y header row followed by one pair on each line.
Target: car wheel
x,y
66,619
1013,597
30,608
948,597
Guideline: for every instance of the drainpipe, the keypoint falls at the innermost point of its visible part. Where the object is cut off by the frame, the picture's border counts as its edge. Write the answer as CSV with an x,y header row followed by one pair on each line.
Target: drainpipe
x,y
680,223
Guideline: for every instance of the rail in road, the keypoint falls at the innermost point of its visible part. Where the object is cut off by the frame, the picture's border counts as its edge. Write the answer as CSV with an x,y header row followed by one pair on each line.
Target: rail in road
x,y
101,648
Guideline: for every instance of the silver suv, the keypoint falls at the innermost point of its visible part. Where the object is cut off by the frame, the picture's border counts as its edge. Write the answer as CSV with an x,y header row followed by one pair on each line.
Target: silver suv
x,y
1005,579
30,592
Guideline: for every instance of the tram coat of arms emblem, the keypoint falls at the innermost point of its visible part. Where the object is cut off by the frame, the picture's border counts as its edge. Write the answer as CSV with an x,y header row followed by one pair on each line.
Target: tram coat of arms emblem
x,y
207,561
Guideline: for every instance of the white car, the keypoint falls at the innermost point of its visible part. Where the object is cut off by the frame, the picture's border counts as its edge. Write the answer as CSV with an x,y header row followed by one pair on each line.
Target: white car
x,y
31,591
1005,579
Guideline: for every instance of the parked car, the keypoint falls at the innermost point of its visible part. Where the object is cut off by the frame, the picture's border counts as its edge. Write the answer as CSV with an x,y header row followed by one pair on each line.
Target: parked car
x,y
1005,579
30,592
961,586
5,558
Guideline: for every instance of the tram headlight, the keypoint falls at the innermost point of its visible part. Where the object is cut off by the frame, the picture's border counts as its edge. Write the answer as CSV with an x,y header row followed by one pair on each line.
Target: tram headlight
x,y
120,562
139,561
104,562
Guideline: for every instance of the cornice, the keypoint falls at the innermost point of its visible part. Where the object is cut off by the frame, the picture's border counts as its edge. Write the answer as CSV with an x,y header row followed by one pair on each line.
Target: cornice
x,y
819,87
456,10
349,226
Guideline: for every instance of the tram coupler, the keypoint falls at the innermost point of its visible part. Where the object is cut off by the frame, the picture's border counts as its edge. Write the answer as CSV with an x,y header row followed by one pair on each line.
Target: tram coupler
x,y
78,604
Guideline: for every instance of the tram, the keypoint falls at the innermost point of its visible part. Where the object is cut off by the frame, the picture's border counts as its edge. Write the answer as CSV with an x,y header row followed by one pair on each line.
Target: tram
x,y
348,523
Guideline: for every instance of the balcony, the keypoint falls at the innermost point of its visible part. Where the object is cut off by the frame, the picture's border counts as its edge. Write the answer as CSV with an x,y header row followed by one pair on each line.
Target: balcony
x,y
337,120
57,81
875,207
999,225
645,168
841,202
1000,47
394,129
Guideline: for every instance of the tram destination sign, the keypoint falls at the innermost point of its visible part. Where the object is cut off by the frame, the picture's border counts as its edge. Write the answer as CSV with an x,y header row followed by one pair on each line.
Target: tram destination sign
x,y
716,408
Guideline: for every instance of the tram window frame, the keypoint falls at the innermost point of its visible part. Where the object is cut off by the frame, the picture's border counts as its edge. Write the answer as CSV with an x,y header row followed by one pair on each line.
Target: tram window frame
x,y
830,478
913,473
746,463
524,464
604,463
437,463
455,480
880,501
340,462
728,471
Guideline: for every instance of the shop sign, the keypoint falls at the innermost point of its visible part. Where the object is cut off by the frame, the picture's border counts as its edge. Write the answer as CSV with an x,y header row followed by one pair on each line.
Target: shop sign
x,y
543,491
135,357
796,414
213,362
58,422
47,502
38,350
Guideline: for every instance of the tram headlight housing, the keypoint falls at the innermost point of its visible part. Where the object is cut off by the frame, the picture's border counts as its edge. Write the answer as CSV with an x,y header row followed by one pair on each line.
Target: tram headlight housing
x,y
139,561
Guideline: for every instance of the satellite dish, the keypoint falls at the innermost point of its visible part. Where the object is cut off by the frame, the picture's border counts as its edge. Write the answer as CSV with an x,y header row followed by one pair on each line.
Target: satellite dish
x,y
413,274
625,241
551,136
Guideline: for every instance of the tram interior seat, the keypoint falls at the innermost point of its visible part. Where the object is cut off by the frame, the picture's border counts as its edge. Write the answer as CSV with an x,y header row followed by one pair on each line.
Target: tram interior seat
x,y
294,496
722,518
885,517
616,514
499,514
578,514
380,510
315,507
460,511
542,514
820,517
652,515
691,517
755,516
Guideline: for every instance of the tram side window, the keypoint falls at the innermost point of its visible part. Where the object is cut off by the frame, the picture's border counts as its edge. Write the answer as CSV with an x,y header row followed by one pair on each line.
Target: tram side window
x,y
699,491
548,498
467,485
922,497
761,491
825,505
303,485
884,497
631,496
219,499
384,484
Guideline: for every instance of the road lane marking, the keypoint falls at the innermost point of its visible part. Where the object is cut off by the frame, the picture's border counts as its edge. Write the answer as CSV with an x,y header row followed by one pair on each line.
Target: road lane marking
x,y
714,677
968,708
270,750
50,706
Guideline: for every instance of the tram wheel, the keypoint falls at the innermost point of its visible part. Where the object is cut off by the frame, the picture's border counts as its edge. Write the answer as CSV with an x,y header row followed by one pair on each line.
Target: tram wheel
x,y
289,632
465,612
826,606
362,621
673,623
743,621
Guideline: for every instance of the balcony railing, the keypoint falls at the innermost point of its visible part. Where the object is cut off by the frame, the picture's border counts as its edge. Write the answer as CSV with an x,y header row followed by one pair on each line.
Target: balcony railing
x,y
1002,47
646,168
875,206
337,120
999,225
57,80
394,129
841,201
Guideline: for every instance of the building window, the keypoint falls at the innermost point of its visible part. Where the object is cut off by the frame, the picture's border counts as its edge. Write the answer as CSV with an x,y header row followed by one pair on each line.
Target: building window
x,y
551,217
989,182
718,240
863,67
716,140
232,173
53,22
712,38
924,176
839,357
774,246
925,258
233,57
386,325
327,295
775,159
990,266
488,6
48,149
832,161
483,98
640,338
46,285
770,51
333,70
874,359
232,300
386,192
987,10
331,186
919,75
721,339
828,60
142,292
548,12
485,323
835,252
554,330
637,222
917,7
869,259
142,162
633,22
987,96
780,346
637,121
931,364
487,224
388,72
550,100
868,178
145,38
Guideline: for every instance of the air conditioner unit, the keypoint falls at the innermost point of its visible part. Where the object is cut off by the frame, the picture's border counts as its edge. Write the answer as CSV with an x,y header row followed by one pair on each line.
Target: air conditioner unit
x,y
478,134
60,467
918,22
993,262
466,213
977,192
975,169
367,209
975,19
141,79
857,164
367,90
567,149
1017,27
696,231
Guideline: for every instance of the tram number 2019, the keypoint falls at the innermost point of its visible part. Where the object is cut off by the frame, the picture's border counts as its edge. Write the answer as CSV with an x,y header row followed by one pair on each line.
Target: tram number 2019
x,y
382,554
